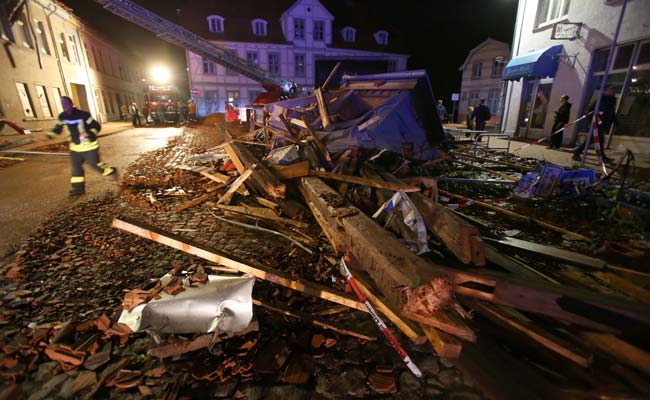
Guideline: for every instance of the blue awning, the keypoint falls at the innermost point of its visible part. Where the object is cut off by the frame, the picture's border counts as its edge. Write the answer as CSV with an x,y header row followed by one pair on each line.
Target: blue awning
x,y
534,64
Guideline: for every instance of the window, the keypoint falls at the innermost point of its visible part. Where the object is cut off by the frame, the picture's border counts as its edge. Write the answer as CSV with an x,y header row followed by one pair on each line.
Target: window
x,y
252,57
23,36
42,37
232,96
208,66
25,99
259,27
644,54
476,70
75,49
381,37
552,10
215,23
493,100
57,99
319,30
44,101
392,66
349,34
97,66
64,46
274,63
298,28
90,60
623,56
473,99
299,69
497,67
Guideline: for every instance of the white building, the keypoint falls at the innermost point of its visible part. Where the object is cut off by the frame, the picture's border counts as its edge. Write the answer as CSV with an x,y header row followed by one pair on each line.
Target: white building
x,y
540,73
298,40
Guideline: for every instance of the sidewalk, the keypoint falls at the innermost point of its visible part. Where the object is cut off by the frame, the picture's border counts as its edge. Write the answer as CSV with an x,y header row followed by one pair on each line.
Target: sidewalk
x,y
26,142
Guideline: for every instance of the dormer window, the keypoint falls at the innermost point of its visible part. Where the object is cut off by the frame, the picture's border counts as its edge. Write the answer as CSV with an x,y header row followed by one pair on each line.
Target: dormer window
x,y
259,27
215,23
349,34
381,37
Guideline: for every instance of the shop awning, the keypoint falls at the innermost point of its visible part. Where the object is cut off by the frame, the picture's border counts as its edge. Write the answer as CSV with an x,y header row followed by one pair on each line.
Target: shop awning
x,y
534,64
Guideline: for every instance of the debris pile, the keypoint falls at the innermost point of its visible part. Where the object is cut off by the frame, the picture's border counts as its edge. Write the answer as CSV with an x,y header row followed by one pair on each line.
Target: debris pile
x,y
434,240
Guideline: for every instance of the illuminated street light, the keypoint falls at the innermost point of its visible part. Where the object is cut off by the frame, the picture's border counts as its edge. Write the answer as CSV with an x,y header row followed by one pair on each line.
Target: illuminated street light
x,y
160,74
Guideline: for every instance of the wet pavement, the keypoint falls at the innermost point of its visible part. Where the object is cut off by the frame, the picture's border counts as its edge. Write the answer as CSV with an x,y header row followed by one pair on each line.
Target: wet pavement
x,y
38,187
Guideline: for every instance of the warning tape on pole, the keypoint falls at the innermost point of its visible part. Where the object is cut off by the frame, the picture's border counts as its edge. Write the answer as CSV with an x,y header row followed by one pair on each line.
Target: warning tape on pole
x,y
382,326
554,133
597,121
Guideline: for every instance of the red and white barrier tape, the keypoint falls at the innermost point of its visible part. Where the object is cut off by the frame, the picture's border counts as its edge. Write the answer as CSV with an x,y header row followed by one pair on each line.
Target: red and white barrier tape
x,y
382,326
554,133
599,154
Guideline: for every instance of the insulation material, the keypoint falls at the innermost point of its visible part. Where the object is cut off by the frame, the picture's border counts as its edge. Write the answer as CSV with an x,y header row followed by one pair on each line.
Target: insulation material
x,y
223,302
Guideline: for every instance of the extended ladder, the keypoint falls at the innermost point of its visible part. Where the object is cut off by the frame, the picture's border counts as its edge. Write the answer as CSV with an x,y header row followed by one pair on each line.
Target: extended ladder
x,y
181,37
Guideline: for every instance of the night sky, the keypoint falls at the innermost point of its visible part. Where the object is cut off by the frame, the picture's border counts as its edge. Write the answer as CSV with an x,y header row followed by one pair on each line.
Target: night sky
x,y
437,33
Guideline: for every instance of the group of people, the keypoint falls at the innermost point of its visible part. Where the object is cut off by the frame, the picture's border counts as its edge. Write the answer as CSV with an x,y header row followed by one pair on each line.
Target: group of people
x,y
478,117
133,113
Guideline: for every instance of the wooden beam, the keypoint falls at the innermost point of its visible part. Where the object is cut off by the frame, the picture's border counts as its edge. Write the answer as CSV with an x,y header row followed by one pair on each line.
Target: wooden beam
x,y
549,251
444,344
287,125
322,149
377,251
534,332
624,286
620,350
518,216
213,193
263,213
262,179
357,180
322,108
295,170
250,267
331,75
225,199
225,179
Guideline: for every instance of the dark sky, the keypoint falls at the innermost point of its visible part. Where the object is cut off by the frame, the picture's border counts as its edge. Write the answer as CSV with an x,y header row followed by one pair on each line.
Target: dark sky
x,y
437,33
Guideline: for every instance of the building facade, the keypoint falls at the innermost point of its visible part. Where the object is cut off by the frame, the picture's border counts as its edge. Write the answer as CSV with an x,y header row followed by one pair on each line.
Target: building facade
x,y
584,31
297,40
51,53
482,73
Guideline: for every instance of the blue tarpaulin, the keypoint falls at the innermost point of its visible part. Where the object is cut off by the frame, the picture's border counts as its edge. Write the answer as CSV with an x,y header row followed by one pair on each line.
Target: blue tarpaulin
x,y
534,64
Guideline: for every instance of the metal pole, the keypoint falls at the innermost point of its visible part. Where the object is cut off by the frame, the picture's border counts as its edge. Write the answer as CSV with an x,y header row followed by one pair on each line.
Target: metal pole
x,y
610,59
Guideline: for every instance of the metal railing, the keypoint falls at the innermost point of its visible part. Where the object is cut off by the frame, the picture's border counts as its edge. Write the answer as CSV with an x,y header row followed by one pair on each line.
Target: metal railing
x,y
486,144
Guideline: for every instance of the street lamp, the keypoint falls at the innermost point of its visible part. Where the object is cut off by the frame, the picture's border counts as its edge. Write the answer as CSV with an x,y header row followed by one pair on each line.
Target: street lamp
x,y
160,74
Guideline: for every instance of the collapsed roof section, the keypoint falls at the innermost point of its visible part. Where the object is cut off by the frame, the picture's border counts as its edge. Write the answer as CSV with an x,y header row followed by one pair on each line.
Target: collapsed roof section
x,y
393,111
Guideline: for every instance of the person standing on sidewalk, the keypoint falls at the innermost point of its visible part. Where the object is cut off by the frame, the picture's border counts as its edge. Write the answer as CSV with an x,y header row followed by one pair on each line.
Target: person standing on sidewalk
x,y
607,119
135,115
561,118
82,130
481,116
442,112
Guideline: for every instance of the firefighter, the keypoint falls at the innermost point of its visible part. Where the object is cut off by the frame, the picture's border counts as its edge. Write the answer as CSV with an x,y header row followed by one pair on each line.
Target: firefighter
x,y
82,130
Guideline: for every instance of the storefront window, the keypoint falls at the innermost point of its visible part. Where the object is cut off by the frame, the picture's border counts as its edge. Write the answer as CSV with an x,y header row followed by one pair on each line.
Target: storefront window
x,y
600,60
623,56
634,112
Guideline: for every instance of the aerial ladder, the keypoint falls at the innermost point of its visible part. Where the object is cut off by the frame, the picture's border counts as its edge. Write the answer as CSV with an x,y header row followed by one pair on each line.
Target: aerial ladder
x,y
276,87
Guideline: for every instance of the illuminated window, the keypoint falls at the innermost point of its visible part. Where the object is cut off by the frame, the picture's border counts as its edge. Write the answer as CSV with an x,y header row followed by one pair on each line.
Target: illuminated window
x,y
552,10
349,34
44,101
298,28
381,37
319,30
75,51
25,99
232,97
215,23
42,37
259,27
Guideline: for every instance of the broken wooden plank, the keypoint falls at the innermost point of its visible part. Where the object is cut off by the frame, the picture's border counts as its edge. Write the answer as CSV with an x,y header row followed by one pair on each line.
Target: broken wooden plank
x,y
624,286
518,216
314,321
620,350
357,180
332,74
549,251
262,179
217,177
225,199
250,267
378,250
325,155
199,199
322,107
287,125
534,332
291,171
445,345
263,213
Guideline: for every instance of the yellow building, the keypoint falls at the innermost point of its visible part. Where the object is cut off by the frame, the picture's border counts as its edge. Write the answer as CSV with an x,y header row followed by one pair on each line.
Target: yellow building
x,y
49,53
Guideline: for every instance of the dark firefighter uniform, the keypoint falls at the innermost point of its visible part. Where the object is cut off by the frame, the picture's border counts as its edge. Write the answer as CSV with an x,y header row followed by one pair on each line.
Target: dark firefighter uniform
x,y
81,129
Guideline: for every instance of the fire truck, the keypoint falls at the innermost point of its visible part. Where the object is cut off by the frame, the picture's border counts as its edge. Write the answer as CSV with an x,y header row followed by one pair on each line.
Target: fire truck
x,y
162,102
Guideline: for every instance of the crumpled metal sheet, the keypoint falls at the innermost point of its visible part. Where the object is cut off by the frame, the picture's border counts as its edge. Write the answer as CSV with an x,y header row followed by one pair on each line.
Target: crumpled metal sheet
x,y
224,303
411,217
